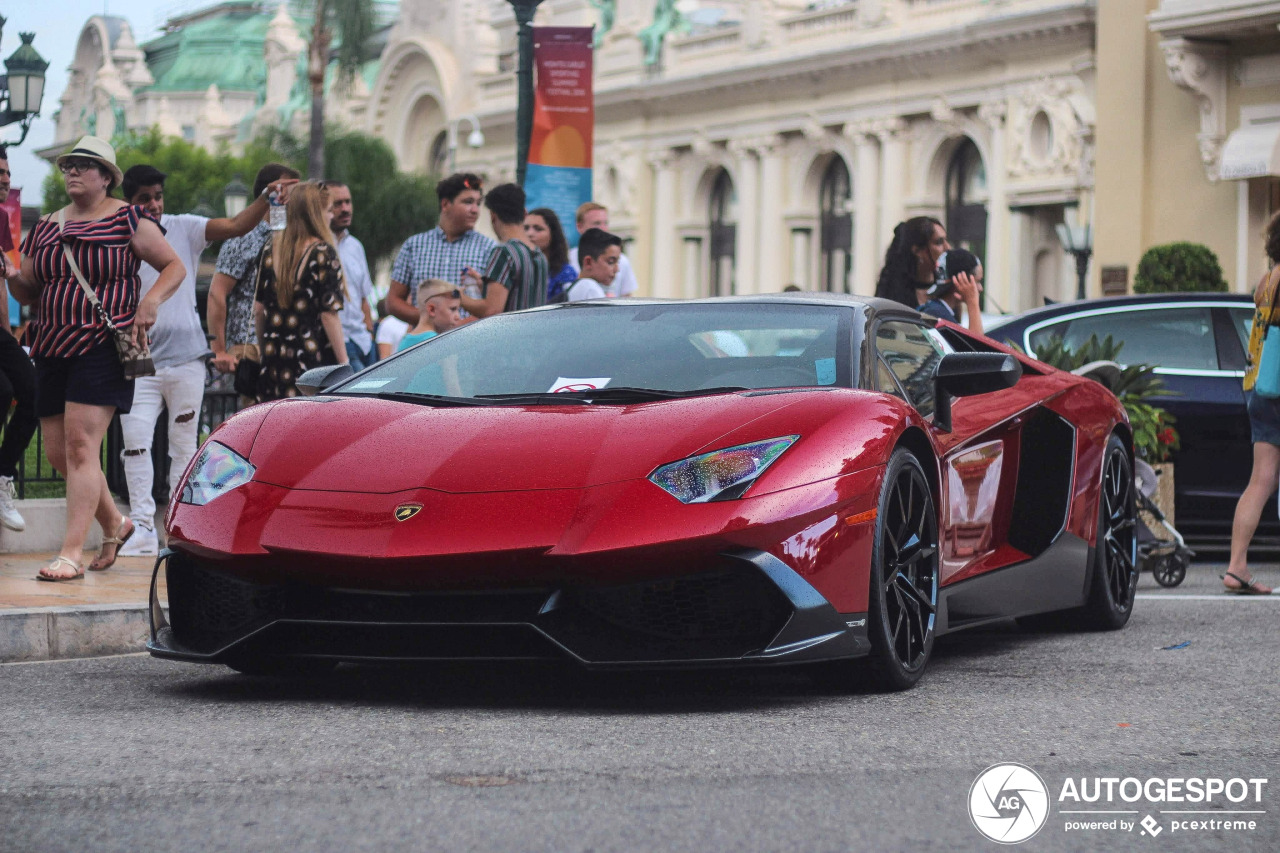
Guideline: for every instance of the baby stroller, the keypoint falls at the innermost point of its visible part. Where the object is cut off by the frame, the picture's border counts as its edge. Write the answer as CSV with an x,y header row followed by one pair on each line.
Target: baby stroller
x,y
1162,551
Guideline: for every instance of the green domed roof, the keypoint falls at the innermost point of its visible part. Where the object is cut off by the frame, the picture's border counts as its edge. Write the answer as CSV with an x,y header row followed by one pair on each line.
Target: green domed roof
x,y
223,46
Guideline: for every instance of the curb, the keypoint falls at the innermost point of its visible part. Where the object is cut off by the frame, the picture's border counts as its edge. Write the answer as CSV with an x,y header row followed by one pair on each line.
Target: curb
x,y
58,633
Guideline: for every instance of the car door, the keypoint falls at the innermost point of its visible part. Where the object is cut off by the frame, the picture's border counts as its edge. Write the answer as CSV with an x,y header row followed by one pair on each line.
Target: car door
x,y
978,457
1182,341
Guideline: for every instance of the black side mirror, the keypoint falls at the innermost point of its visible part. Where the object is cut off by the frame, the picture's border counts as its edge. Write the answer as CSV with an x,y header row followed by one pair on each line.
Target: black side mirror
x,y
319,379
964,374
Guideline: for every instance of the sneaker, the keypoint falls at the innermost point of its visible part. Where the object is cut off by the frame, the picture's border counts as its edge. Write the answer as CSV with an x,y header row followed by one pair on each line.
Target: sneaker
x,y
9,515
143,542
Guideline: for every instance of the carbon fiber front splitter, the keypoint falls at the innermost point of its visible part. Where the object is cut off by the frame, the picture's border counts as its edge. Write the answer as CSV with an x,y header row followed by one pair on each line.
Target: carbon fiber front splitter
x,y
752,610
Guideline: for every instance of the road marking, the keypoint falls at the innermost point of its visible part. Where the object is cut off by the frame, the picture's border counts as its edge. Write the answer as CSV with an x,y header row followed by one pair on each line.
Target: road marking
x,y
1222,596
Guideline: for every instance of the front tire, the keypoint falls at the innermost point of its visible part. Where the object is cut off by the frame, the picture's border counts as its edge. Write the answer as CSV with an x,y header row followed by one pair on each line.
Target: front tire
x,y
903,599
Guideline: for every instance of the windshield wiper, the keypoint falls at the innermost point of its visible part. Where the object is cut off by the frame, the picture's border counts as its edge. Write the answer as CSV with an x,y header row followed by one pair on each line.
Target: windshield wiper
x,y
617,394
421,399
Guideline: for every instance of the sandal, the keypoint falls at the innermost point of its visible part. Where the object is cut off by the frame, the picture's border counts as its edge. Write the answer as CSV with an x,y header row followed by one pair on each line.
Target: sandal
x,y
98,564
1251,587
55,564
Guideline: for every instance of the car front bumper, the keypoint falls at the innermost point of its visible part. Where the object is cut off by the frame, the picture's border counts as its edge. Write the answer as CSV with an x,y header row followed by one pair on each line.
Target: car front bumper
x,y
750,609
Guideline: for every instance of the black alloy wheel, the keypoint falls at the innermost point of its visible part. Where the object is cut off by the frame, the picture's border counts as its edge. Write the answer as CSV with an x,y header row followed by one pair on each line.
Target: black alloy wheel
x,y
1115,554
904,575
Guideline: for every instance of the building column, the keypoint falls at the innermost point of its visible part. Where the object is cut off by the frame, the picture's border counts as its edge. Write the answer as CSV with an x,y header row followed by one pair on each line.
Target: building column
x,y
664,275
746,182
694,263
867,244
773,192
893,191
802,257
998,263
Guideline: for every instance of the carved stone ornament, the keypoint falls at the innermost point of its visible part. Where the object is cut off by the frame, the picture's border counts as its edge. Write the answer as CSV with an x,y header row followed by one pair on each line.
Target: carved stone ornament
x,y
1201,68
1046,132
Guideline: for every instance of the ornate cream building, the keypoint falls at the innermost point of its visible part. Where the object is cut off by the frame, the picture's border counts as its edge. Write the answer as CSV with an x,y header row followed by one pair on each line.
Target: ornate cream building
x,y
778,141
218,75
742,145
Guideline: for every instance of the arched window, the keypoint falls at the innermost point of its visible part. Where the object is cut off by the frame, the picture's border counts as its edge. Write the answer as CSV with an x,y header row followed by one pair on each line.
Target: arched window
x,y
724,218
438,161
837,228
967,199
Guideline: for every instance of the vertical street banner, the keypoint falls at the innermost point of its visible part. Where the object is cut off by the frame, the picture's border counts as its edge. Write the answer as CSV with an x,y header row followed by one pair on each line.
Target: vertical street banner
x,y
558,175
11,238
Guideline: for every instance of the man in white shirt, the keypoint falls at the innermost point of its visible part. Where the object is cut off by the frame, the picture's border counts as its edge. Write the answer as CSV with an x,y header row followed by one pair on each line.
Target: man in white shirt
x,y
592,214
178,346
356,314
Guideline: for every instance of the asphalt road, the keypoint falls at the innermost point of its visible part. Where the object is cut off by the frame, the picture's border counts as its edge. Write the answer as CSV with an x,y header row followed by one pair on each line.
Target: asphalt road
x,y
134,754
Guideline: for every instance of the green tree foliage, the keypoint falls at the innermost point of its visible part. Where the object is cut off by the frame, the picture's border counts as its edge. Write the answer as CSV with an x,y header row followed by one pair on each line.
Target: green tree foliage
x,y
1179,267
389,205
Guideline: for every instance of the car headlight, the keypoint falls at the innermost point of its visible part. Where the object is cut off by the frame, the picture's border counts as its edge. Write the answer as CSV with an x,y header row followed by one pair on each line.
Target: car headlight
x,y
218,470
720,475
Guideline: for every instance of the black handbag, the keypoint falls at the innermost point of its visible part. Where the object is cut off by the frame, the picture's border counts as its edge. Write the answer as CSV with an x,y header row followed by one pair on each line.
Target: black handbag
x,y
246,379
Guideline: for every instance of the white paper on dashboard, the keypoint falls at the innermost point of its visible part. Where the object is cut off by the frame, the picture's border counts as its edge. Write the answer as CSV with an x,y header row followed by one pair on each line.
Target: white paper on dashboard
x,y
571,383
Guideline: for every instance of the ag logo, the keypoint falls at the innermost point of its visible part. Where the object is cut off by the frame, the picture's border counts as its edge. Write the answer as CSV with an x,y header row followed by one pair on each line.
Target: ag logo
x,y
1008,803
404,512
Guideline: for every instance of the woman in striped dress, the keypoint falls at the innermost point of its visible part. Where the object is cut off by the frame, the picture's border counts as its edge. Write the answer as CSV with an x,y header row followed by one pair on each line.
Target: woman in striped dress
x,y
79,382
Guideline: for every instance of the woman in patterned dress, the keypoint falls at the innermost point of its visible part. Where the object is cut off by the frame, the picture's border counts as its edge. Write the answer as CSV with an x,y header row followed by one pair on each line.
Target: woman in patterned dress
x,y
299,294
79,382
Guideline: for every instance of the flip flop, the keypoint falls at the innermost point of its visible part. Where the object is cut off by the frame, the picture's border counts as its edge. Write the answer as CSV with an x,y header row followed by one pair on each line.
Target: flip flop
x,y
1245,588
54,562
116,540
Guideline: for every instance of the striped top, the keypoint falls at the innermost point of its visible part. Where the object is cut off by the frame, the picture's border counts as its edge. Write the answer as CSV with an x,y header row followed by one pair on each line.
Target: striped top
x,y
66,323
522,271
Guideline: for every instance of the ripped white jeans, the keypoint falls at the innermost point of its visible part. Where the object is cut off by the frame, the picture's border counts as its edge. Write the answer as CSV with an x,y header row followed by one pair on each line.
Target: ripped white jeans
x,y
179,389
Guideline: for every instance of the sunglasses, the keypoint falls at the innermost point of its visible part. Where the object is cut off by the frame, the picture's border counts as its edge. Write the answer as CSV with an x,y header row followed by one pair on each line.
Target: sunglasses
x,y
454,294
76,164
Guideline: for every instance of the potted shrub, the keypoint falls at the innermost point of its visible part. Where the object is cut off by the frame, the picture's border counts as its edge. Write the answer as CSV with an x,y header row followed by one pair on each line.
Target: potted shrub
x,y
1179,267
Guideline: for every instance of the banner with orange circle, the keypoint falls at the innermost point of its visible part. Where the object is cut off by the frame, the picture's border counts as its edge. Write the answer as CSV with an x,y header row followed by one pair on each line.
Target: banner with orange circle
x,y
559,169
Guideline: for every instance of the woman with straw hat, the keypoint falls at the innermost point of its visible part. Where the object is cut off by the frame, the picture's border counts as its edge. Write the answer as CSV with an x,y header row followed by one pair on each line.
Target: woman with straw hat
x,y
80,383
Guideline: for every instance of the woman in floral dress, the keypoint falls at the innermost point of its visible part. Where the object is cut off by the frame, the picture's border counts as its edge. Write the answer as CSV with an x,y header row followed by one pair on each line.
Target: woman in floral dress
x,y
299,294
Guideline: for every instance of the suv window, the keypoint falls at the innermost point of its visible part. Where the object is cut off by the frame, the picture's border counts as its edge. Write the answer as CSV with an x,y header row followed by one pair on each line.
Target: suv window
x,y
1179,338
911,355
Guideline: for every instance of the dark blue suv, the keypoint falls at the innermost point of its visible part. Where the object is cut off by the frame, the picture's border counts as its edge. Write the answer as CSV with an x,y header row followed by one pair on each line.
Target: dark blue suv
x,y
1197,343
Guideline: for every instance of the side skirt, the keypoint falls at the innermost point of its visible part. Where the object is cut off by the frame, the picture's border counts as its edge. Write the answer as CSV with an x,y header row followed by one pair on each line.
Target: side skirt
x,y
1058,579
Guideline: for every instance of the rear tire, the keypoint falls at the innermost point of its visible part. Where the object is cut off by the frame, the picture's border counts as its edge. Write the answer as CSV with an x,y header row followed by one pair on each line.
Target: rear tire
x,y
903,602
1115,554
1113,563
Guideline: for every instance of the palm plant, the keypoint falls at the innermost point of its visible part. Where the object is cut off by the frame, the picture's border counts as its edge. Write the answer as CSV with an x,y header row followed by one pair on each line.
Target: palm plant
x,y
351,22
1136,386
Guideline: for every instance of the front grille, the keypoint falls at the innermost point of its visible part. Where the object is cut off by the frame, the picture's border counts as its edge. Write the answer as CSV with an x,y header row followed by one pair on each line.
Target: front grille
x,y
206,607
724,605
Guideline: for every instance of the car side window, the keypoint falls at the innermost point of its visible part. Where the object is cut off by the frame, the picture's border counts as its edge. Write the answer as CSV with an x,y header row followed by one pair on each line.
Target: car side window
x,y
911,355
1178,338
1242,322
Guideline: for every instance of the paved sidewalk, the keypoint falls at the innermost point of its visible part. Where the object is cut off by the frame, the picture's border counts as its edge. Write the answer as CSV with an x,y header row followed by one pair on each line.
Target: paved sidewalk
x,y
104,613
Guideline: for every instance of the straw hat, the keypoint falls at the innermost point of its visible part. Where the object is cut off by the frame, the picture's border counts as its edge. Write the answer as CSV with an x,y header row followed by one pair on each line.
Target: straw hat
x,y
99,150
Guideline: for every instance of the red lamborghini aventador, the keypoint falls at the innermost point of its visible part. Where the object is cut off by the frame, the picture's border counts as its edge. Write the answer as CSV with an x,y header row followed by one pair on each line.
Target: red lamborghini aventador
x,y
643,483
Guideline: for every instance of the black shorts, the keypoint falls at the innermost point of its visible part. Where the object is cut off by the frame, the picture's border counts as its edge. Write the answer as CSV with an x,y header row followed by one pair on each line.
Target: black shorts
x,y
94,378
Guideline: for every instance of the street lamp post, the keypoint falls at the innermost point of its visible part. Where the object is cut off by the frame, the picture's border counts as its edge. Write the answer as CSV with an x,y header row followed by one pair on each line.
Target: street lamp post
x,y
22,88
235,197
1078,241
524,82
475,139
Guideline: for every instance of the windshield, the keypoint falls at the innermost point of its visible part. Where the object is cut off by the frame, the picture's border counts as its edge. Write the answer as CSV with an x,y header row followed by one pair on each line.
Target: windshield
x,y
669,347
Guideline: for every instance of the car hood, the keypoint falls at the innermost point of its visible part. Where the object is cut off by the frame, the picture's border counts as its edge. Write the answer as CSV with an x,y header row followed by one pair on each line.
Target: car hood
x,y
382,446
